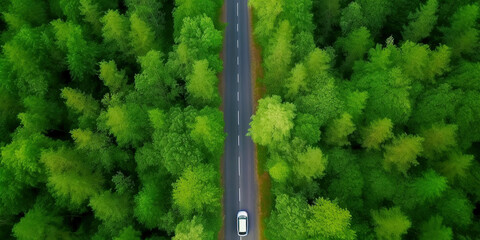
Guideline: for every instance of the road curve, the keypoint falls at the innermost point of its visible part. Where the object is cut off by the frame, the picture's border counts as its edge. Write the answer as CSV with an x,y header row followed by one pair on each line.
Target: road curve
x,y
239,174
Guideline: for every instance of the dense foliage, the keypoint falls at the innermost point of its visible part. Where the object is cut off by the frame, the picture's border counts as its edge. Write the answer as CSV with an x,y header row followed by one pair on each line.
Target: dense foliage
x,y
109,119
371,118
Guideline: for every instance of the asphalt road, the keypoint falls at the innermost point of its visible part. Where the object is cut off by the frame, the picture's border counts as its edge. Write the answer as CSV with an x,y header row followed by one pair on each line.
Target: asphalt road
x,y
239,177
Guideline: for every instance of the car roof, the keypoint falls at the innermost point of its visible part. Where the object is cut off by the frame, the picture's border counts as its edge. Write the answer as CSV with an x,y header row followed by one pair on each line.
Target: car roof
x,y
242,213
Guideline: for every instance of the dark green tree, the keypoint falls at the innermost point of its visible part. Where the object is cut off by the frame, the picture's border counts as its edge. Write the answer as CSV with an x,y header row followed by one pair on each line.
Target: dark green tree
x,y
421,22
462,34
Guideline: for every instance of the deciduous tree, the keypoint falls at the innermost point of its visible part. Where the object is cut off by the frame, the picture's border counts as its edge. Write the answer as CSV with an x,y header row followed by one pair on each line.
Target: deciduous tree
x,y
462,35
113,78
287,220
196,191
402,153
310,164
191,229
39,222
278,61
354,46
328,221
339,129
438,139
390,223
202,85
434,229
377,133
69,177
421,22
141,36
272,122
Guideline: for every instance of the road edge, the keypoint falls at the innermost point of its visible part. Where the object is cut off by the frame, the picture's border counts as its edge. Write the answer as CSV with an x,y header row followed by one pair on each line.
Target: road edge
x,y
262,178
221,88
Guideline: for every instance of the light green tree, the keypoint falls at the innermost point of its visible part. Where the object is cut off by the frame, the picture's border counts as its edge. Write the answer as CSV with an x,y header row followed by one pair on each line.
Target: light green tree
x,y
402,153
202,85
22,155
278,59
88,140
207,131
438,139
390,223
272,122
91,14
455,166
114,79
15,196
24,56
299,14
191,229
198,39
115,31
280,171
69,177
419,62
191,8
81,53
388,88
267,15
113,209
377,133
339,129
317,63
322,101
310,164
129,123
196,191
297,82
80,103
39,115
142,38
326,220
25,12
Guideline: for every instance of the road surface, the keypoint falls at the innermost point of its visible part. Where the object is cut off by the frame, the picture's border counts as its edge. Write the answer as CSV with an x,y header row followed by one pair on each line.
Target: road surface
x,y
239,175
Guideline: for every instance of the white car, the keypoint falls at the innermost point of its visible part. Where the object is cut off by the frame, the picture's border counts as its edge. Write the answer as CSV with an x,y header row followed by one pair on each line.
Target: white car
x,y
242,223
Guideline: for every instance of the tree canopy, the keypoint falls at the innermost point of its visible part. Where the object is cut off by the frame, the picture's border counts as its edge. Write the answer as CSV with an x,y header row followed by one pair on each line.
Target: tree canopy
x,y
109,115
381,139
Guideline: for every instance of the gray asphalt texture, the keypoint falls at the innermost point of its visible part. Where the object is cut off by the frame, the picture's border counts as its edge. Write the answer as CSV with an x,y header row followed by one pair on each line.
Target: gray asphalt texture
x,y
239,177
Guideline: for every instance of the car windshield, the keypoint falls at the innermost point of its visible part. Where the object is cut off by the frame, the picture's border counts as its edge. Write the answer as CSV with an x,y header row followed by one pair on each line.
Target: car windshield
x,y
242,225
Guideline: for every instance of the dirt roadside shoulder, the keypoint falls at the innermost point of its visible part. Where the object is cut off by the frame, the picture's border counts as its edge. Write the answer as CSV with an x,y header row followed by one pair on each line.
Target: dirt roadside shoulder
x,y
264,200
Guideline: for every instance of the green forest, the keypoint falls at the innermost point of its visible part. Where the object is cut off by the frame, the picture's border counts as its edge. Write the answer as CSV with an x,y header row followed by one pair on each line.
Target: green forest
x,y
371,118
110,125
